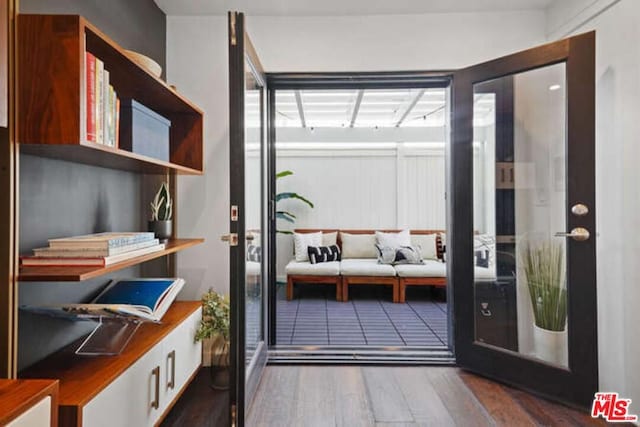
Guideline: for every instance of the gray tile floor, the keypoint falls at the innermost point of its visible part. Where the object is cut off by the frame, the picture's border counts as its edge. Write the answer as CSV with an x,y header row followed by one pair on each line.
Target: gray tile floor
x,y
369,318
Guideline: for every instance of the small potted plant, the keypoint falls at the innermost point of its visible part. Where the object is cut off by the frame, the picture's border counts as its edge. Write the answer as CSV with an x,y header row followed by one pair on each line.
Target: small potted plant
x,y
161,213
545,274
214,332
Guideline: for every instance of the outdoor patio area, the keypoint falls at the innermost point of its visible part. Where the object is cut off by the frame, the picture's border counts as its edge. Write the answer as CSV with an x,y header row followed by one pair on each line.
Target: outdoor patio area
x,y
369,318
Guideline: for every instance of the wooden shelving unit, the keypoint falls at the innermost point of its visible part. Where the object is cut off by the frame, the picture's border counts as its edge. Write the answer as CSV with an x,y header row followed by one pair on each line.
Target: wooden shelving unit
x,y
52,98
76,274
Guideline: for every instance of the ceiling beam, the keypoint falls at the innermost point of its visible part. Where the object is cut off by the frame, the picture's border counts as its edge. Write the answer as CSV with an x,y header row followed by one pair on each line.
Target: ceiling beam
x,y
410,107
356,108
300,109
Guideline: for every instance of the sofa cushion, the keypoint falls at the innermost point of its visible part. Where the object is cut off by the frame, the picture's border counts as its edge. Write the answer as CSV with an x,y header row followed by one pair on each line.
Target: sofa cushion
x,y
427,243
358,245
430,268
365,267
302,241
393,240
329,239
307,269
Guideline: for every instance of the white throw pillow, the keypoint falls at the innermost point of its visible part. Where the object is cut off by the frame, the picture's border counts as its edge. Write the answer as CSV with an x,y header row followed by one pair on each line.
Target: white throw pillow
x,y
302,241
485,242
330,239
358,245
427,244
393,240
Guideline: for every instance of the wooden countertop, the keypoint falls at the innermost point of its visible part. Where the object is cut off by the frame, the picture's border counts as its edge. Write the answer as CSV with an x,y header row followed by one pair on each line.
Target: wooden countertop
x,y
17,396
83,377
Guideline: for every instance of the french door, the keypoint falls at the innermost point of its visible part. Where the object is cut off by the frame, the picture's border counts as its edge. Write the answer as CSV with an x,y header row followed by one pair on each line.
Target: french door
x,y
248,238
521,222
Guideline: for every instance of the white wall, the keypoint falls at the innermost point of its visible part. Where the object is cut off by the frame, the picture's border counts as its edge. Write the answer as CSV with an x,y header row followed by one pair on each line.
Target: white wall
x,y
197,64
617,195
362,189
392,42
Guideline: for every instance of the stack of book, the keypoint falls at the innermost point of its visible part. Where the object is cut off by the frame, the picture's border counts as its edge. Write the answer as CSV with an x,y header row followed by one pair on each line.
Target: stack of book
x,y
100,250
103,105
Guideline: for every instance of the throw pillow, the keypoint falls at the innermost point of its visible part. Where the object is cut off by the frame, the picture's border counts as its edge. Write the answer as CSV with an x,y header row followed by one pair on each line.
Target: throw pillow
x,y
393,240
427,244
358,245
484,246
254,253
330,239
323,253
401,255
441,246
302,241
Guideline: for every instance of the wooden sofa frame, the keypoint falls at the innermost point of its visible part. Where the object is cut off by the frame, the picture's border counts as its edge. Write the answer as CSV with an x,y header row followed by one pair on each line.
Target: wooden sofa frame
x,y
342,283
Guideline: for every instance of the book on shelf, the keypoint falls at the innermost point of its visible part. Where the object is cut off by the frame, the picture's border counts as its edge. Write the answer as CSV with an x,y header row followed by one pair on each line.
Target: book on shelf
x,y
104,261
143,299
91,96
102,103
99,100
104,240
91,253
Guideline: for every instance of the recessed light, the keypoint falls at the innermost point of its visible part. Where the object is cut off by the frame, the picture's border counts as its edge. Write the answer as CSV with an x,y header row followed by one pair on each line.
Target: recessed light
x,y
554,87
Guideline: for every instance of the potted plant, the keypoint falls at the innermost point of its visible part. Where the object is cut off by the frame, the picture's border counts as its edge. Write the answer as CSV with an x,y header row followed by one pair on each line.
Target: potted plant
x,y
214,332
161,213
285,215
543,266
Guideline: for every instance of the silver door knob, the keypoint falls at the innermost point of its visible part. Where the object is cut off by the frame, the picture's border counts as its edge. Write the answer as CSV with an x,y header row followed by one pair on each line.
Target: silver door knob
x,y
579,234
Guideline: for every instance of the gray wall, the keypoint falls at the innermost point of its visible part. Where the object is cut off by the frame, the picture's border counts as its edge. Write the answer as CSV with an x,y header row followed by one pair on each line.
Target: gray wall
x,y
134,24
60,198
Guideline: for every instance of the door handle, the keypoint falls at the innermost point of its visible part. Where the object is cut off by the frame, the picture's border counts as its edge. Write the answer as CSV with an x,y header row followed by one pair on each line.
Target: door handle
x,y
579,234
231,238
155,404
172,382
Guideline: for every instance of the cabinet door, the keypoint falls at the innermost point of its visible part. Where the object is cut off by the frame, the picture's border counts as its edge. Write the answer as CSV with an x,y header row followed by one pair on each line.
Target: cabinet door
x,y
39,415
129,400
181,357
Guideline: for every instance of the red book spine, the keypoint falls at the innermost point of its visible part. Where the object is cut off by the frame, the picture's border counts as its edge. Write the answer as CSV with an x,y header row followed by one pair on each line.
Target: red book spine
x,y
91,96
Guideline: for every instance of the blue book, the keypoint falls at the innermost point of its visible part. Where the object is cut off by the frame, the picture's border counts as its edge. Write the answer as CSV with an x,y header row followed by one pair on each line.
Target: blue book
x,y
144,299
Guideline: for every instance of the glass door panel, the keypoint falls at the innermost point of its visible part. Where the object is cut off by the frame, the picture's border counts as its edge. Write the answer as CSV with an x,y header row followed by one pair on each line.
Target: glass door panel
x,y
519,196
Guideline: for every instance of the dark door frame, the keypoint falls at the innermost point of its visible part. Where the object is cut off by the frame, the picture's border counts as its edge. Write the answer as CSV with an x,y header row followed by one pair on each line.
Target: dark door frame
x,y
575,386
328,81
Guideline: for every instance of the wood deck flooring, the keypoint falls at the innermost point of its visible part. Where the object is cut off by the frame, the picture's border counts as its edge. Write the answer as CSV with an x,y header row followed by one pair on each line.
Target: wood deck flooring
x,y
368,396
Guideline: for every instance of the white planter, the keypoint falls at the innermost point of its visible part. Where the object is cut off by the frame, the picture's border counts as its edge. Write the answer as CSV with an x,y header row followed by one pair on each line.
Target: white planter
x,y
551,346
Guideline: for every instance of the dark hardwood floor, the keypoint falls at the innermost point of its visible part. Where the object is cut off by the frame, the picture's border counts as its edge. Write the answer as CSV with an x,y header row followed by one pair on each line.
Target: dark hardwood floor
x,y
200,405
351,396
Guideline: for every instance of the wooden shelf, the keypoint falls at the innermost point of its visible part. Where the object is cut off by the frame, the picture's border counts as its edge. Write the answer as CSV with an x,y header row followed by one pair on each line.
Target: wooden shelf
x,y
76,274
52,98
82,377
18,396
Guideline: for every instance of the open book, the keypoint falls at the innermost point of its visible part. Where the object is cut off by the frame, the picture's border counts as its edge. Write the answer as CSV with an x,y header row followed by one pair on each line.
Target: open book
x,y
144,299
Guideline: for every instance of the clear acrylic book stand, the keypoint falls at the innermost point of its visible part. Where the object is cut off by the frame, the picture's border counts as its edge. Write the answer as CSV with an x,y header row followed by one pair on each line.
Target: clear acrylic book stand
x,y
110,336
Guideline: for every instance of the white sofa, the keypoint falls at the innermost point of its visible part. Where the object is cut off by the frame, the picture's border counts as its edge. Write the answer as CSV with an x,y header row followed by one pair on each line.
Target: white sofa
x,y
366,270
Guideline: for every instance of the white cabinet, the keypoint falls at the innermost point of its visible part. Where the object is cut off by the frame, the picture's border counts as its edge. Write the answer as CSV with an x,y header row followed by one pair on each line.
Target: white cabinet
x,y
142,394
39,415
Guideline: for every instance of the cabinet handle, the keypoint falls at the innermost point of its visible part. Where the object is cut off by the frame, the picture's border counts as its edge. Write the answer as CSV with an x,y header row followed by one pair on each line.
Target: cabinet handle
x,y
155,404
172,382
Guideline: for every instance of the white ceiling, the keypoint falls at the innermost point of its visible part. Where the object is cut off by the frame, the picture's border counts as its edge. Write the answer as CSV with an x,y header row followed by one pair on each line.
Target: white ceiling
x,y
342,7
